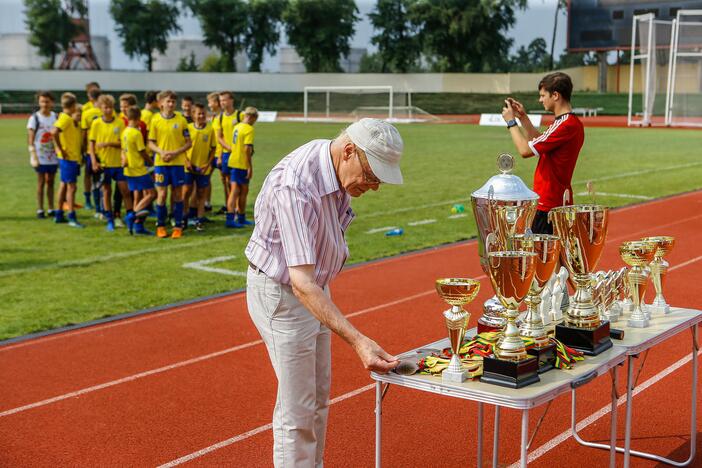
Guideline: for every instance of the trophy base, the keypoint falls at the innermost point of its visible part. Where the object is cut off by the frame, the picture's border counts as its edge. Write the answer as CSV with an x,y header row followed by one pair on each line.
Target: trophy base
x,y
454,377
638,323
658,309
589,342
511,374
487,328
545,355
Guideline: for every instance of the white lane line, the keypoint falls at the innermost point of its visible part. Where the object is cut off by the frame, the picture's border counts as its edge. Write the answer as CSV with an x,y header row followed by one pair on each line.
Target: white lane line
x,y
422,222
565,435
686,263
380,229
253,432
618,195
459,215
202,265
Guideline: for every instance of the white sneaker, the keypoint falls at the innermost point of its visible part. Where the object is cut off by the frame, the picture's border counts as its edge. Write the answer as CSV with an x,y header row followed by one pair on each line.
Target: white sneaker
x,y
98,215
119,223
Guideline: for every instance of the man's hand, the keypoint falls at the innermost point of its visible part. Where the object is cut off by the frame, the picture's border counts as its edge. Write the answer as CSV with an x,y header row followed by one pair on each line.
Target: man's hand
x,y
373,357
518,108
507,111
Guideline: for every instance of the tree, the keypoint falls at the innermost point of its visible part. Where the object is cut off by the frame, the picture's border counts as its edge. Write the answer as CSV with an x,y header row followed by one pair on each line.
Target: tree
x,y
50,28
559,4
262,29
532,58
320,31
187,64
223,24
465,35
144,26
397,40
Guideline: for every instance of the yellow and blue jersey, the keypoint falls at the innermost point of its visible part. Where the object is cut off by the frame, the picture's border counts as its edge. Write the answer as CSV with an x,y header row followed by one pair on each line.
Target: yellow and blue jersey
x,y
203,141
227,122
132,147
242,136
102,131
88,115
70,137
169,134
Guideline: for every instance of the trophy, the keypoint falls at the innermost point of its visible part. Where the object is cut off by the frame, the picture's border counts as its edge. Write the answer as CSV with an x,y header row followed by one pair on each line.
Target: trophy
x,y
625,303
457,292
559,293
511,275
547,249
659,269
582,229
502,207
637,254
609,310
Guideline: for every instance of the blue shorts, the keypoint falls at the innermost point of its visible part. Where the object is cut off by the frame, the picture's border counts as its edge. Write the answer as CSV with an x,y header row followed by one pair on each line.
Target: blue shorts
x,y
169,175
201,180
46,168
239,176
144,182
70,170
88,163
226,170
113,173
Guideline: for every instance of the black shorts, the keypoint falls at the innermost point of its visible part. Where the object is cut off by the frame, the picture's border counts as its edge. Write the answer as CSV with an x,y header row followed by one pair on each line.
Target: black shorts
x,y
541,224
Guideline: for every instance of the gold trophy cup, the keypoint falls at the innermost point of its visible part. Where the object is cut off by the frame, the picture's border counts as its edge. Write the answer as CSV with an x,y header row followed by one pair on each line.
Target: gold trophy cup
x,y
547,249
637,254
456,292
511,275
583,230
659,270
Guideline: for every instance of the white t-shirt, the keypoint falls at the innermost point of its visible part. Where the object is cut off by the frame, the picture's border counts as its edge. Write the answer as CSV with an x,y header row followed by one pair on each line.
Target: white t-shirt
x,y
43,141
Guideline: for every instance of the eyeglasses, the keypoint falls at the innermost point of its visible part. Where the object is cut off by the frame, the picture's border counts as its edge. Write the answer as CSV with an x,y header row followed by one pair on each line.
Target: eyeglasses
x,y
368,177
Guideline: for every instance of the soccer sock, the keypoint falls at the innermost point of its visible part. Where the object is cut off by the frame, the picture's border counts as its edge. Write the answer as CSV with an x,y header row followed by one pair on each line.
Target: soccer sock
x,y
72,215
109,216
178,213
96,199
117,201
58,214
87,197
192,212
161,214
230,218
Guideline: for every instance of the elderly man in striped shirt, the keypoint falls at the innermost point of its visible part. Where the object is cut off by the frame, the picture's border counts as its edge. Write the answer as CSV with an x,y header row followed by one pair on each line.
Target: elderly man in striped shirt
x,y
296,249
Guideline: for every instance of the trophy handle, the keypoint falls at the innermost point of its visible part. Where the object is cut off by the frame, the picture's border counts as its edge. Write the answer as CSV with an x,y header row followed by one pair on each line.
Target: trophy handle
x,y
490,240
566,197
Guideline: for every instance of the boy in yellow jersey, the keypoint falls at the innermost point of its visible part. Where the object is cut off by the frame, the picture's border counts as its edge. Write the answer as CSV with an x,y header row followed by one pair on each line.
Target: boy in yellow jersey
x,y
241,168
224,127
150,108
91,180
215,109
93,85
106,156
198,165
169,139
68,142
134,160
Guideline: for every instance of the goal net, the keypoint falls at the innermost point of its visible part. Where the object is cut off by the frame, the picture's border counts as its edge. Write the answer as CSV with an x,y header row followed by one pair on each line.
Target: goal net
x,y
685,102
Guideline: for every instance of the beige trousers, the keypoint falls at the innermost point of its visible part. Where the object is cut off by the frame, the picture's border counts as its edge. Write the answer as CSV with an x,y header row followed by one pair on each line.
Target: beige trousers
x,y
299,347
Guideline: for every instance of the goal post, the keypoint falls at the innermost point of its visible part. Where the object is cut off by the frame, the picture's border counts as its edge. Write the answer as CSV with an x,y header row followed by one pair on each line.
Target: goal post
x,y
684,106
329,109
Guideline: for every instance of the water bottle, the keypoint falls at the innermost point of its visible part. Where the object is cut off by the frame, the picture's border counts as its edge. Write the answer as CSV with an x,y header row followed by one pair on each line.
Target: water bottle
x,y
395,232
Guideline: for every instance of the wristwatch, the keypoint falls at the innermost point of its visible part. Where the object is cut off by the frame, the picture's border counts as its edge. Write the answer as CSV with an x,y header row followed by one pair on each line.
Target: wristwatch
x,y
511,123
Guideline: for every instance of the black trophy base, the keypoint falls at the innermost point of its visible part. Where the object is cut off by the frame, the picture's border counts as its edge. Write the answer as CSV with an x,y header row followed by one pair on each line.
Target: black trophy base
x,y
510,373
590,342
545,355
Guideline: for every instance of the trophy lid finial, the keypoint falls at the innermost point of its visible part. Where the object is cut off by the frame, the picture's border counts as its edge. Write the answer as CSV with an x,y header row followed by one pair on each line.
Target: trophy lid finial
x,y
505,163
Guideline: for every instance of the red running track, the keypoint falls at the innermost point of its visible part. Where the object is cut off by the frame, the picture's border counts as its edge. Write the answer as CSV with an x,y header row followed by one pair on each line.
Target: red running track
x,y
193,384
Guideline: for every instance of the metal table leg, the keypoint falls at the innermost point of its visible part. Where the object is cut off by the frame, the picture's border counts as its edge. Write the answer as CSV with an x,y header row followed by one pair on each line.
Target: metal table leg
x,y
629,406
525,438
613,420
480,435
378,421
496,438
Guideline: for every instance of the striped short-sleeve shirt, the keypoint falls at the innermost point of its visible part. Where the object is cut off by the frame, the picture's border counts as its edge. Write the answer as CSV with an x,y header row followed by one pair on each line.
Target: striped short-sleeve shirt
x,y
301,216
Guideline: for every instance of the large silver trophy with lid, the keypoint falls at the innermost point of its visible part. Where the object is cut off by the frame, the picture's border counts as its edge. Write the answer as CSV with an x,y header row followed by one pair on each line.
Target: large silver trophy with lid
x,y
503,207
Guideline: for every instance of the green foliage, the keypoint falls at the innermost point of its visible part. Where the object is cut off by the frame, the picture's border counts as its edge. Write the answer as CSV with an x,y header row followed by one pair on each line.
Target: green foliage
x,y
320,31
532,58
397,38
576,59
371,63
224,24
50,28
263,29
213,63
187,64
144,26
465,35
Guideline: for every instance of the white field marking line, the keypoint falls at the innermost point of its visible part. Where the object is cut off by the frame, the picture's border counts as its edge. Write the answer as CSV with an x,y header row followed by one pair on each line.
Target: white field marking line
x,y
459,215
202,266
113,256
618,195
421,222
192,360
565,435
253,432
635,173
413,208
380,229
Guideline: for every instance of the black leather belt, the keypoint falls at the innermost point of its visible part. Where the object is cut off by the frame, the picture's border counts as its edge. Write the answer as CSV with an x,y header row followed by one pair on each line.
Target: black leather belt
x,y
255,268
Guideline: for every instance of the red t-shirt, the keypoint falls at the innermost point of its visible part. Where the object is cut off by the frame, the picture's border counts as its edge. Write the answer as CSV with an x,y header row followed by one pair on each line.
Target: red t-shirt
x,y
142,128
557,148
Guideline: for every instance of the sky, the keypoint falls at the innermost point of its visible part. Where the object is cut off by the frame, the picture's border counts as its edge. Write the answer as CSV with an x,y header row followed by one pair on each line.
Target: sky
x,y
536,21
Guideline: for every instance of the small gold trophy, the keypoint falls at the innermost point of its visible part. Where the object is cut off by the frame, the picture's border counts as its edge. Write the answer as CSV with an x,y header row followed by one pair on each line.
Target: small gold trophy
x,y
511,275
457,292
659,270
547,249
637,254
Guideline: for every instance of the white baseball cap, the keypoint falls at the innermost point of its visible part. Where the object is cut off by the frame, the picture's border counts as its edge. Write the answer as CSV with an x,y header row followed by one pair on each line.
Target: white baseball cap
x,y
383,146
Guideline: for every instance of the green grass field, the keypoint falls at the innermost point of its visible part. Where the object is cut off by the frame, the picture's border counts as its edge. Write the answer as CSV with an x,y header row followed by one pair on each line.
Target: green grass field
x,y
52,275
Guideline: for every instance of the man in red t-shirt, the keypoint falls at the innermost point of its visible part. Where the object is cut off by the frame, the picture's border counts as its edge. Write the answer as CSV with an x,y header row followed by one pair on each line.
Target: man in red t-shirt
x,y
557,148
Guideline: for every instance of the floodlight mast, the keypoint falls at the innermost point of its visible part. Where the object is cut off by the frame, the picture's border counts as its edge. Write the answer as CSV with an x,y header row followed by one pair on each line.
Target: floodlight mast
x,y
80,50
